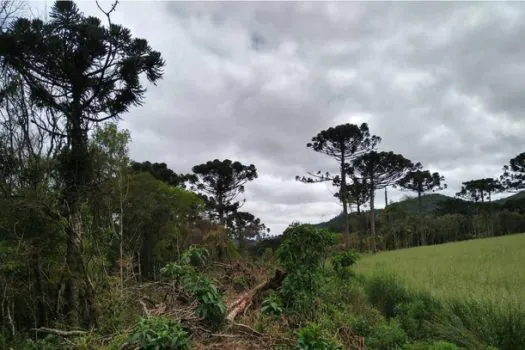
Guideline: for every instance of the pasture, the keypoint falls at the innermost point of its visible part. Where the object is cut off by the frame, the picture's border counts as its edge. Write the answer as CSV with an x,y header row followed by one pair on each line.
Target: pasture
x,y
488,270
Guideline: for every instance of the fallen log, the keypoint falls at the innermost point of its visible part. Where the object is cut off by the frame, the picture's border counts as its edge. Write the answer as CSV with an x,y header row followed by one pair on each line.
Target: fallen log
x,y
59,332
245,300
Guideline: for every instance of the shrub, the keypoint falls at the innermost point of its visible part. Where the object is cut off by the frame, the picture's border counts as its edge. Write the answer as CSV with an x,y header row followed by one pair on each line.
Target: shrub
x,y
272,305
194,256
302,253
160,333
387,335
436,345
414,315
211,306
312,337
342,261
385,292
49,342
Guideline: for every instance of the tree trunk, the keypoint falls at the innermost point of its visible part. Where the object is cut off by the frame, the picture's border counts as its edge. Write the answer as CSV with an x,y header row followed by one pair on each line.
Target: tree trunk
x,y
386,197
372,217
74,266
76,176
41,310
345,204
244,301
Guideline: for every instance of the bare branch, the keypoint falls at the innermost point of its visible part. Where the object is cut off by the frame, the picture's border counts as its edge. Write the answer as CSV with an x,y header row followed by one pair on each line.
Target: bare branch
x,y
59,332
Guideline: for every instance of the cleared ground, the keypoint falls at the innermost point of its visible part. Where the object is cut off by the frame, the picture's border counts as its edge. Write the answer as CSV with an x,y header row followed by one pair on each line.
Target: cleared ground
x,y
490,269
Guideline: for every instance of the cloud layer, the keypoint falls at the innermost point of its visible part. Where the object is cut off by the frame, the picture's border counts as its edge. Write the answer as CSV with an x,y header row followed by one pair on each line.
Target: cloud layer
x,y
441,83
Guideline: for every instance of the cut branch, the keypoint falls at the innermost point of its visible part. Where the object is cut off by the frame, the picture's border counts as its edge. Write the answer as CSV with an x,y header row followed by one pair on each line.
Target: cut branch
x,y
59,332
246,299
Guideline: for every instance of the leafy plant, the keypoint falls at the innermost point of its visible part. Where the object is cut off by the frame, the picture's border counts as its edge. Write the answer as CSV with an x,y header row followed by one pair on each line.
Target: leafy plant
x,y
341,262
211,306
304,247
386,336
302,253
272,305
312,337
194,256
160,333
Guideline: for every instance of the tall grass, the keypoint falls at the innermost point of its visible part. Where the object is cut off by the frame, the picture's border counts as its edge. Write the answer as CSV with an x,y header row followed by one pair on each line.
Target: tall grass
x,y
489,269
470,293
465,322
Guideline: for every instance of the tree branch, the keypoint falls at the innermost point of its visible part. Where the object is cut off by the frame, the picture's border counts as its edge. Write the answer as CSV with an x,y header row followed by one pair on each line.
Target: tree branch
x,y
59,332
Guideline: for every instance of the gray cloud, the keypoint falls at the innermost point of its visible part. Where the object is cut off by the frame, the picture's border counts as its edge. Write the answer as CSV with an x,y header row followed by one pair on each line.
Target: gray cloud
x,y
440,82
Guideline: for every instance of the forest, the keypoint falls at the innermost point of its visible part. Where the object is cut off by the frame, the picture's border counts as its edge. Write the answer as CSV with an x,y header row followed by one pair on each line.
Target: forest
x,y
98,251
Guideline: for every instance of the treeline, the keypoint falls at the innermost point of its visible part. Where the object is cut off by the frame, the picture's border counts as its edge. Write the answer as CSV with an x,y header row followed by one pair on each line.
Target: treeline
x,y
398,228
363,170
79,221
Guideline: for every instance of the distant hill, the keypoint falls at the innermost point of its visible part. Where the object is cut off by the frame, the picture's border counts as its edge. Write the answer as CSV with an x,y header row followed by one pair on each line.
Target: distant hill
x,y
429,203
514,197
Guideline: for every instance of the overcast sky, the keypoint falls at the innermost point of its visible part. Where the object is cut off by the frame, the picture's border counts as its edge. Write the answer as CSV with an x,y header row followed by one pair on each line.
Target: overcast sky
x,y
442,83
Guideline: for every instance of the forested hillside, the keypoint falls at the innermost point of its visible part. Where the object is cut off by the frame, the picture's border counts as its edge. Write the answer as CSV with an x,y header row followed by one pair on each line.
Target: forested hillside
x,y
438,219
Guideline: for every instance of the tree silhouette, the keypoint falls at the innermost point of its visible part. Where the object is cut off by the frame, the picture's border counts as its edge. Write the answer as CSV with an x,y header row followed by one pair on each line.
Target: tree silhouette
x,y
380,169
513,178
343,143
357,192
221,182
244,225
82,73
160,171
421,182
480,189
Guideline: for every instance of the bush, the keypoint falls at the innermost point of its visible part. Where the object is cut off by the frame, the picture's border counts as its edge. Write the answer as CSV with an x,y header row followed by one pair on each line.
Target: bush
x,y
49,342
312,337
364,324
342,261
385,292
436,345
302,253
211,306
387,335
272,305
414,315
160,333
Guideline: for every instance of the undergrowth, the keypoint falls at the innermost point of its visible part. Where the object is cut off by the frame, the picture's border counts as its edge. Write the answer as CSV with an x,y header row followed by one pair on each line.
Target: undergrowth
x,y
322,304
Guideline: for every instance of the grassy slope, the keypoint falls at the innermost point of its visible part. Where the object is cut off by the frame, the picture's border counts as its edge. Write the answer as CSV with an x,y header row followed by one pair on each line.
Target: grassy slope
x,y
489,269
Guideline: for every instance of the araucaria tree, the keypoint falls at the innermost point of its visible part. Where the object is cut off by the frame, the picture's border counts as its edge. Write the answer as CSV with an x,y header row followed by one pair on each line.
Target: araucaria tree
x,y
343,143
243,226
380,169
81,72
357,192
222,182
513,178
480,190
421,182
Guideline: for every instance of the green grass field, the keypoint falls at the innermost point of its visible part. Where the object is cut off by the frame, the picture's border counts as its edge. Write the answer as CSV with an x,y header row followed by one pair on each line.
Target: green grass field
x,y
488,270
